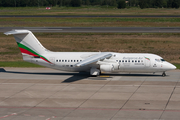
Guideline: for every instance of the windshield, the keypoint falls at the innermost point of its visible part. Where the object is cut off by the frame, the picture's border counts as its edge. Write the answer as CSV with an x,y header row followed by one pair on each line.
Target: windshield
x,y
162,60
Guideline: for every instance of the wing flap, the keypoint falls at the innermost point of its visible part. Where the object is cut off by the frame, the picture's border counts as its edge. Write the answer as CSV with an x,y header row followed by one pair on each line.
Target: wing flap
x,y
94,58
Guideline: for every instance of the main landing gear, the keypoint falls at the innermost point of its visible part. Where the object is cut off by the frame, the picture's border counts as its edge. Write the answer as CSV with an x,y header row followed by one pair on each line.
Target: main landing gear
x,y
95,72
163,74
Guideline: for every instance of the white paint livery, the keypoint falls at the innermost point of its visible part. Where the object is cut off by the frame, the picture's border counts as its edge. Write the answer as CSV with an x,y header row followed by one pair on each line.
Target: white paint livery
x,y
93,62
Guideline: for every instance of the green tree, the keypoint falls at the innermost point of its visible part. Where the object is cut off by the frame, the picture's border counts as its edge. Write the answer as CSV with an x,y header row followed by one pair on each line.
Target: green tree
x,y
32,3
8,3
1,4
143,4
175,4
104,2
133,3
87,2
75,3
21,3
95,2
169,3
113,3
158,3
66,3
121,4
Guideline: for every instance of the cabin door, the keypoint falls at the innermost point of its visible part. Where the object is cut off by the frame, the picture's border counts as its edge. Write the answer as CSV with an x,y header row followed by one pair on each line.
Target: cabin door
x,y
147,62
52,60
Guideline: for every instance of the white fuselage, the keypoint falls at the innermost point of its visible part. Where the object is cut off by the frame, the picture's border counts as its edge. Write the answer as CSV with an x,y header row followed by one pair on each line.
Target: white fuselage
x,y
128,62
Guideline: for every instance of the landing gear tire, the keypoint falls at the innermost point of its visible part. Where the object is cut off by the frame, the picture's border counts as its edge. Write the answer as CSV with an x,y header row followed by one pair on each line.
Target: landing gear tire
x,y
164,74
94,72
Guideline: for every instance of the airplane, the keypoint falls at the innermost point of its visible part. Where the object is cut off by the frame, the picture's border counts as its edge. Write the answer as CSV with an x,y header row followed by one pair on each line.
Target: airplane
x,y
94,62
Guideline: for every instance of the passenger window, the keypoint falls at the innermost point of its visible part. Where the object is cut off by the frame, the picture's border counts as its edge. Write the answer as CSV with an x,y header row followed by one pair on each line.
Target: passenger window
x,y
116,60
65,60
138,60
132,60
71,60
56,60
71,65
125,60
122,60
77,60
68,60
74,60
119,60
59,60
128,60
135,60
141,60
62,60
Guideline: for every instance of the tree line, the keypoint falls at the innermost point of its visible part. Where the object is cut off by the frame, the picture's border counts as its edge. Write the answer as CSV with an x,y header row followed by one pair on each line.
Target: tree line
x,y
77,3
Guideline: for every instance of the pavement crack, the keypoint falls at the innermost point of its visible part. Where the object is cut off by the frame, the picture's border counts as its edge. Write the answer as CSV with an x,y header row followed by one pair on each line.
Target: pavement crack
x,y
128,98
87,99
169,98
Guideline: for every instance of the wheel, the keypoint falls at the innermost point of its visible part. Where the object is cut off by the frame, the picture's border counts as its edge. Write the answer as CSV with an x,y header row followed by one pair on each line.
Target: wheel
x,y
164,74
94,72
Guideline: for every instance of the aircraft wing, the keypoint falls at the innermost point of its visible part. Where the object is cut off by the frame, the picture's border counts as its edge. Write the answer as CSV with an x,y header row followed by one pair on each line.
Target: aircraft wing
x,y
94,58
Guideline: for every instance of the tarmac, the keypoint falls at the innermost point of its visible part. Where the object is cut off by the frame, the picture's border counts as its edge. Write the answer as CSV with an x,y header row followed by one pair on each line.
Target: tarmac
x,y
95,29
46,94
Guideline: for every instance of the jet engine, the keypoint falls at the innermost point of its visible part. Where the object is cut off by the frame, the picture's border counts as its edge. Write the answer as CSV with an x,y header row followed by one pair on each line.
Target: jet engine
x,y
109,67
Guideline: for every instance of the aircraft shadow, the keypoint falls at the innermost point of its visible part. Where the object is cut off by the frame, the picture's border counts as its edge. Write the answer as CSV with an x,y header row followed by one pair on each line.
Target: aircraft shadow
x,y
75,76
80,76
138,75
2,70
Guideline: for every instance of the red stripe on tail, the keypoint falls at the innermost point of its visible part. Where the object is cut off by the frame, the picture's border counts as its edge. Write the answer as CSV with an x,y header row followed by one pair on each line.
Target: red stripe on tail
x,y
30,53
27,52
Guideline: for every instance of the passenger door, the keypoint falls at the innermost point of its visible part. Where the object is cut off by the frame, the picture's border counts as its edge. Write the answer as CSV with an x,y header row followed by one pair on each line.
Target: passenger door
x,y
147,62
52,60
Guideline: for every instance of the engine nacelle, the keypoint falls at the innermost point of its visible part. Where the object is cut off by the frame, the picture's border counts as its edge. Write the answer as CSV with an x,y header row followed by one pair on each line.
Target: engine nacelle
x,y
107,68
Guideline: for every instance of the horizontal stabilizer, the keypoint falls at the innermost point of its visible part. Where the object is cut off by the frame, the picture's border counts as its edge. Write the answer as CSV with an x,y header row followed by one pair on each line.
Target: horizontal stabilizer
x,y
13,32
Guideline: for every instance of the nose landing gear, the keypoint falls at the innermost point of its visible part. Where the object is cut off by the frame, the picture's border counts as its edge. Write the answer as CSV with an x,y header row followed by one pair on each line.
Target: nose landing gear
x,y
163,74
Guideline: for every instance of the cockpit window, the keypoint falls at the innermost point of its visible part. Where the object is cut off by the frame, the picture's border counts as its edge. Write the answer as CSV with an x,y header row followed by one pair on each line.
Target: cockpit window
x,y
158,60
162,60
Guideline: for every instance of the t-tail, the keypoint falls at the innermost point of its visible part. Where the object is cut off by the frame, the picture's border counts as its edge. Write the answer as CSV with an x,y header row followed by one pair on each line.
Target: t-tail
x,y
29,46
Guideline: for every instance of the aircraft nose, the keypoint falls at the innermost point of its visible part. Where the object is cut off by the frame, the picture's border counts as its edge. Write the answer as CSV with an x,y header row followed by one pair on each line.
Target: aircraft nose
x,y
171,66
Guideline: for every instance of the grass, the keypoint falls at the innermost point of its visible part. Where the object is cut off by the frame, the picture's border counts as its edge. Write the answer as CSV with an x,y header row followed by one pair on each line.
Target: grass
x,y
90,22
86,10
177,65
165,45
17,64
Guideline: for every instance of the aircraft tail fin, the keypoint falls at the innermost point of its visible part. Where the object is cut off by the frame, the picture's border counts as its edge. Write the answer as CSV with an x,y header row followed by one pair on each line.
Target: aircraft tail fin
x,y
27,42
